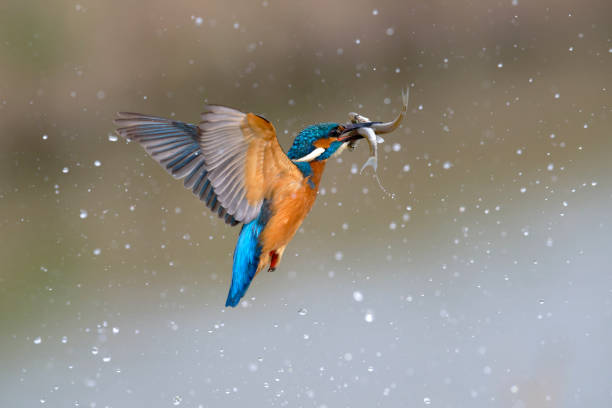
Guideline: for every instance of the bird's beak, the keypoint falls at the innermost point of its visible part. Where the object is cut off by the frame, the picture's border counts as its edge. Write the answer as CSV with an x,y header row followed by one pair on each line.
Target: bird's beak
x,y
350,131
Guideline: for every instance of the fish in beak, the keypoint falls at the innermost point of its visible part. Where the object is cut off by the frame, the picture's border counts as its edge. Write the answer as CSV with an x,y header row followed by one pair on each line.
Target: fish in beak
x,y
361,127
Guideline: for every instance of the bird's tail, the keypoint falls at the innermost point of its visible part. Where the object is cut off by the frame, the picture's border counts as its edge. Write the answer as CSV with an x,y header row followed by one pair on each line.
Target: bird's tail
x,y
246,261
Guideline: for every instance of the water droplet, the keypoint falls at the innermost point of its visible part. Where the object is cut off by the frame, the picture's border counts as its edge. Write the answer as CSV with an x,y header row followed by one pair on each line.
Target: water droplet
x,y
45,137
514,389
500,65
37,340
390,31
302,311
97,163
83,214
65,170
95,350
176,401
387,101
112,137
426,400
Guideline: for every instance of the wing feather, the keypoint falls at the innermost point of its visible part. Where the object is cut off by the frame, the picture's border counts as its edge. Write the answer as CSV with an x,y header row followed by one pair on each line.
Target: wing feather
x,y
229,161
234,145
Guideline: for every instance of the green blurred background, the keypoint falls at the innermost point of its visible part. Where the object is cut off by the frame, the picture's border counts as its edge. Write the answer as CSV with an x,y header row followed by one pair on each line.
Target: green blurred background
x,y
486,281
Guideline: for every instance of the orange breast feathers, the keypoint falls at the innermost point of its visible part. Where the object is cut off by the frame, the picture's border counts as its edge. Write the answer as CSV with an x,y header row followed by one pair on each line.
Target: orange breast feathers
x,y
291,201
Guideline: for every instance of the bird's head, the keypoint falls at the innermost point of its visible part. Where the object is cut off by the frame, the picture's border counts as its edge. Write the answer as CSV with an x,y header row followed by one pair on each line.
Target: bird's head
x,y
321,141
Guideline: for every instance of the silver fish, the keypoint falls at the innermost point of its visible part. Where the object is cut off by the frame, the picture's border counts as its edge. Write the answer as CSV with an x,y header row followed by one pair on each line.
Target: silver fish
x,y
370,133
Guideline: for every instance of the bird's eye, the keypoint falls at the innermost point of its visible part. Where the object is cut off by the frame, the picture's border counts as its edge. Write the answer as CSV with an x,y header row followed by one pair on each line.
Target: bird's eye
x,y
337,131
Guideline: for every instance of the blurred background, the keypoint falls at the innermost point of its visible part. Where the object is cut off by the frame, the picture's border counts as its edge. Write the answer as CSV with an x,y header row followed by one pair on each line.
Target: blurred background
x,y
484,281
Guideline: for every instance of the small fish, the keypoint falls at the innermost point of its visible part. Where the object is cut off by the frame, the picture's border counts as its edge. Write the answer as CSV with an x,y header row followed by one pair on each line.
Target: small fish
x,y
370,133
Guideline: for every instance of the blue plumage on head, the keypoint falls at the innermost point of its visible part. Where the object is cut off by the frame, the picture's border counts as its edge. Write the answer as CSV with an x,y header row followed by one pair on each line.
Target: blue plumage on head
x,y
303,143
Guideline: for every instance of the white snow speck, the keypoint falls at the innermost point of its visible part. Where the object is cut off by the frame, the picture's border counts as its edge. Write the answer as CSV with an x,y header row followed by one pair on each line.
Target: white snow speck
x,y
97,251
65,170
37,340
97,163
357,296
514,389
83,214
338,256
369,317
447,165
390,31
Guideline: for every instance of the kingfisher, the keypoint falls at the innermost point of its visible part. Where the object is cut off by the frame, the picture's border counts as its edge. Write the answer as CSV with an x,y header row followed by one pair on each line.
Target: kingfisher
x,y
232,161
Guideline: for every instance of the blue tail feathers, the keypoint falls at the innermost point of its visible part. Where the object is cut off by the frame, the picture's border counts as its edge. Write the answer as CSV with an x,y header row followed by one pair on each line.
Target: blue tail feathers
x,y
246,256
246,259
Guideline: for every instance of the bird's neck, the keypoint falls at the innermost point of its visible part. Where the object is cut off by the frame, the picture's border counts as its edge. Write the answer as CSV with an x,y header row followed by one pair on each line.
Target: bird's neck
x,y
317,172
312,171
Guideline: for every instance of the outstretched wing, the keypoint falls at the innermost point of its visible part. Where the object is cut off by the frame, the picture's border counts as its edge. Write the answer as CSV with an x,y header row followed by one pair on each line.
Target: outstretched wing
x,y
243,159
228,161
175,146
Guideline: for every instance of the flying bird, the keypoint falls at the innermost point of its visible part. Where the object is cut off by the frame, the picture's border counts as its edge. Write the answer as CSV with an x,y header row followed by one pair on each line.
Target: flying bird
x,y
233,163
